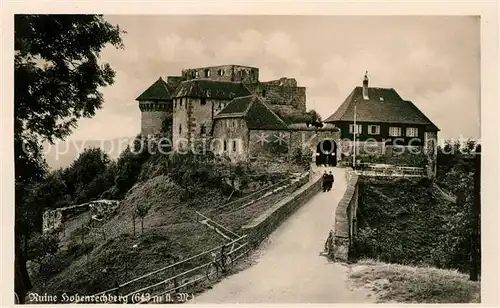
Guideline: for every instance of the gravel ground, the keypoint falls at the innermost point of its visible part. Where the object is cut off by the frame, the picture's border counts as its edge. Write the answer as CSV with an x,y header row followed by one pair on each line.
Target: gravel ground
x,y
289,267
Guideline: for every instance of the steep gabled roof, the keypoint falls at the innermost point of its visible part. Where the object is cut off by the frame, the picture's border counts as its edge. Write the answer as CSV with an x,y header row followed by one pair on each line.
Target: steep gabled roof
x,y
223,90
256,113
159,90
392,109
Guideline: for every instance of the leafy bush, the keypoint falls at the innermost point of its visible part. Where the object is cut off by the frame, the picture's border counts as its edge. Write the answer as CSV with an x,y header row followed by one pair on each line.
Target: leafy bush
x,y
302,156
403,159
408,222
129,165
310,116
42,245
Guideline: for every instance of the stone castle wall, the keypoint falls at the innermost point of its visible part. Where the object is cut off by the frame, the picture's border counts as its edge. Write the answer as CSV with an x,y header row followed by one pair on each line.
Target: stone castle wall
x,y
310,138
268,142
286,98
152,116
192,121
232,132
235,73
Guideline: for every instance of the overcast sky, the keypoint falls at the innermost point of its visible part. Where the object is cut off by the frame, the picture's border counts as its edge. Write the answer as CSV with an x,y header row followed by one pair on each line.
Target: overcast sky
x,y
432,61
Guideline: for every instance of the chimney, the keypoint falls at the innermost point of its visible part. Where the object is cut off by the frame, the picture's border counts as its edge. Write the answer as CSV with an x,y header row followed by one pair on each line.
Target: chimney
x,y
365,87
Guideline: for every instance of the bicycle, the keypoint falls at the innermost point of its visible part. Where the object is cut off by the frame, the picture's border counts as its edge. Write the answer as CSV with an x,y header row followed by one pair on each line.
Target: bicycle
x,y
219,265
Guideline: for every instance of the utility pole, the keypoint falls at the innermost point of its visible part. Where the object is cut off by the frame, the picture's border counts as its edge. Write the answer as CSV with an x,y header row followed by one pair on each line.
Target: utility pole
x,y
475,218
355,130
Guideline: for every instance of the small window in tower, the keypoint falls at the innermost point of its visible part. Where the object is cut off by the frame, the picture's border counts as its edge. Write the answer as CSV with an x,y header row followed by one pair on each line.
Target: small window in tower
x,y
180,129
203,101
234,146
180,102
202,129
175,103
207,73
225,145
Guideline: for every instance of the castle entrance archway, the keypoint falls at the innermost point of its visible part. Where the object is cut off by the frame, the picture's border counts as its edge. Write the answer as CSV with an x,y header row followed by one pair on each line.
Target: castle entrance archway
x,y
326,153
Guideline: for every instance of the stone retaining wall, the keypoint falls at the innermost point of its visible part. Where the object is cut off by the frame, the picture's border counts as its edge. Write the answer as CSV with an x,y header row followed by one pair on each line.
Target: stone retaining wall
x,y
267,222
53,219
344,229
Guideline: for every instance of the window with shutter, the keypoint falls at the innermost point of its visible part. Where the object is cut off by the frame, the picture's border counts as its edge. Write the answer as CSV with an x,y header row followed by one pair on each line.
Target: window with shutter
x,y
395,131
411,132
374,129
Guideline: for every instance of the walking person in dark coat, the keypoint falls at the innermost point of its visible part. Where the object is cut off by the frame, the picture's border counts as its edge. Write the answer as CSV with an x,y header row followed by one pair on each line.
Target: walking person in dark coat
x,y
324,181
330,181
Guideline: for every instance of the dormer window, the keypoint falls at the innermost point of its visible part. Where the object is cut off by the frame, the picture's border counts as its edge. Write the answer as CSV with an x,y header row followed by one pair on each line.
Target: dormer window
x,y
207,73
196,74
381,99
221,72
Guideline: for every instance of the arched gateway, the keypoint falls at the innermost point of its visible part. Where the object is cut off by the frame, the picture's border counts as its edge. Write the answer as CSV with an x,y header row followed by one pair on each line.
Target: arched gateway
x,y
326,153
316,140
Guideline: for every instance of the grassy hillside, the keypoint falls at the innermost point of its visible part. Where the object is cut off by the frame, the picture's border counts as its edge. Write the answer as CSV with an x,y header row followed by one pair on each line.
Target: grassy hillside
x,y
171,188
395,283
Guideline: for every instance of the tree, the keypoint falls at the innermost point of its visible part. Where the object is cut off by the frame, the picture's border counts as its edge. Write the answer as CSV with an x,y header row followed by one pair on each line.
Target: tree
x,y
57,76
310,116
313,116
42,249
142,210
87,175
41,245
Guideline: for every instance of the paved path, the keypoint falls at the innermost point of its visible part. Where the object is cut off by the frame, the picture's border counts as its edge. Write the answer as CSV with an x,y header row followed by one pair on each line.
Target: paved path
x,y
290,268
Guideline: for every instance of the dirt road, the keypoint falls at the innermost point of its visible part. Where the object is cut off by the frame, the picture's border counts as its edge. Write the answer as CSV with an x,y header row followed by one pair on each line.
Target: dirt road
x,y
290,267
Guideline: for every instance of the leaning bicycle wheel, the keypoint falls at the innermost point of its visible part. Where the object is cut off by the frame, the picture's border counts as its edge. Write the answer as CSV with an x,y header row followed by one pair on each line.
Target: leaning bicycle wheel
x,y
212,271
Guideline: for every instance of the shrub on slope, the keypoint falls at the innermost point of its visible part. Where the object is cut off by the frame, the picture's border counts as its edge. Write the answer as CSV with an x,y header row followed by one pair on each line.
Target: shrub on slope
x,y
407,221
